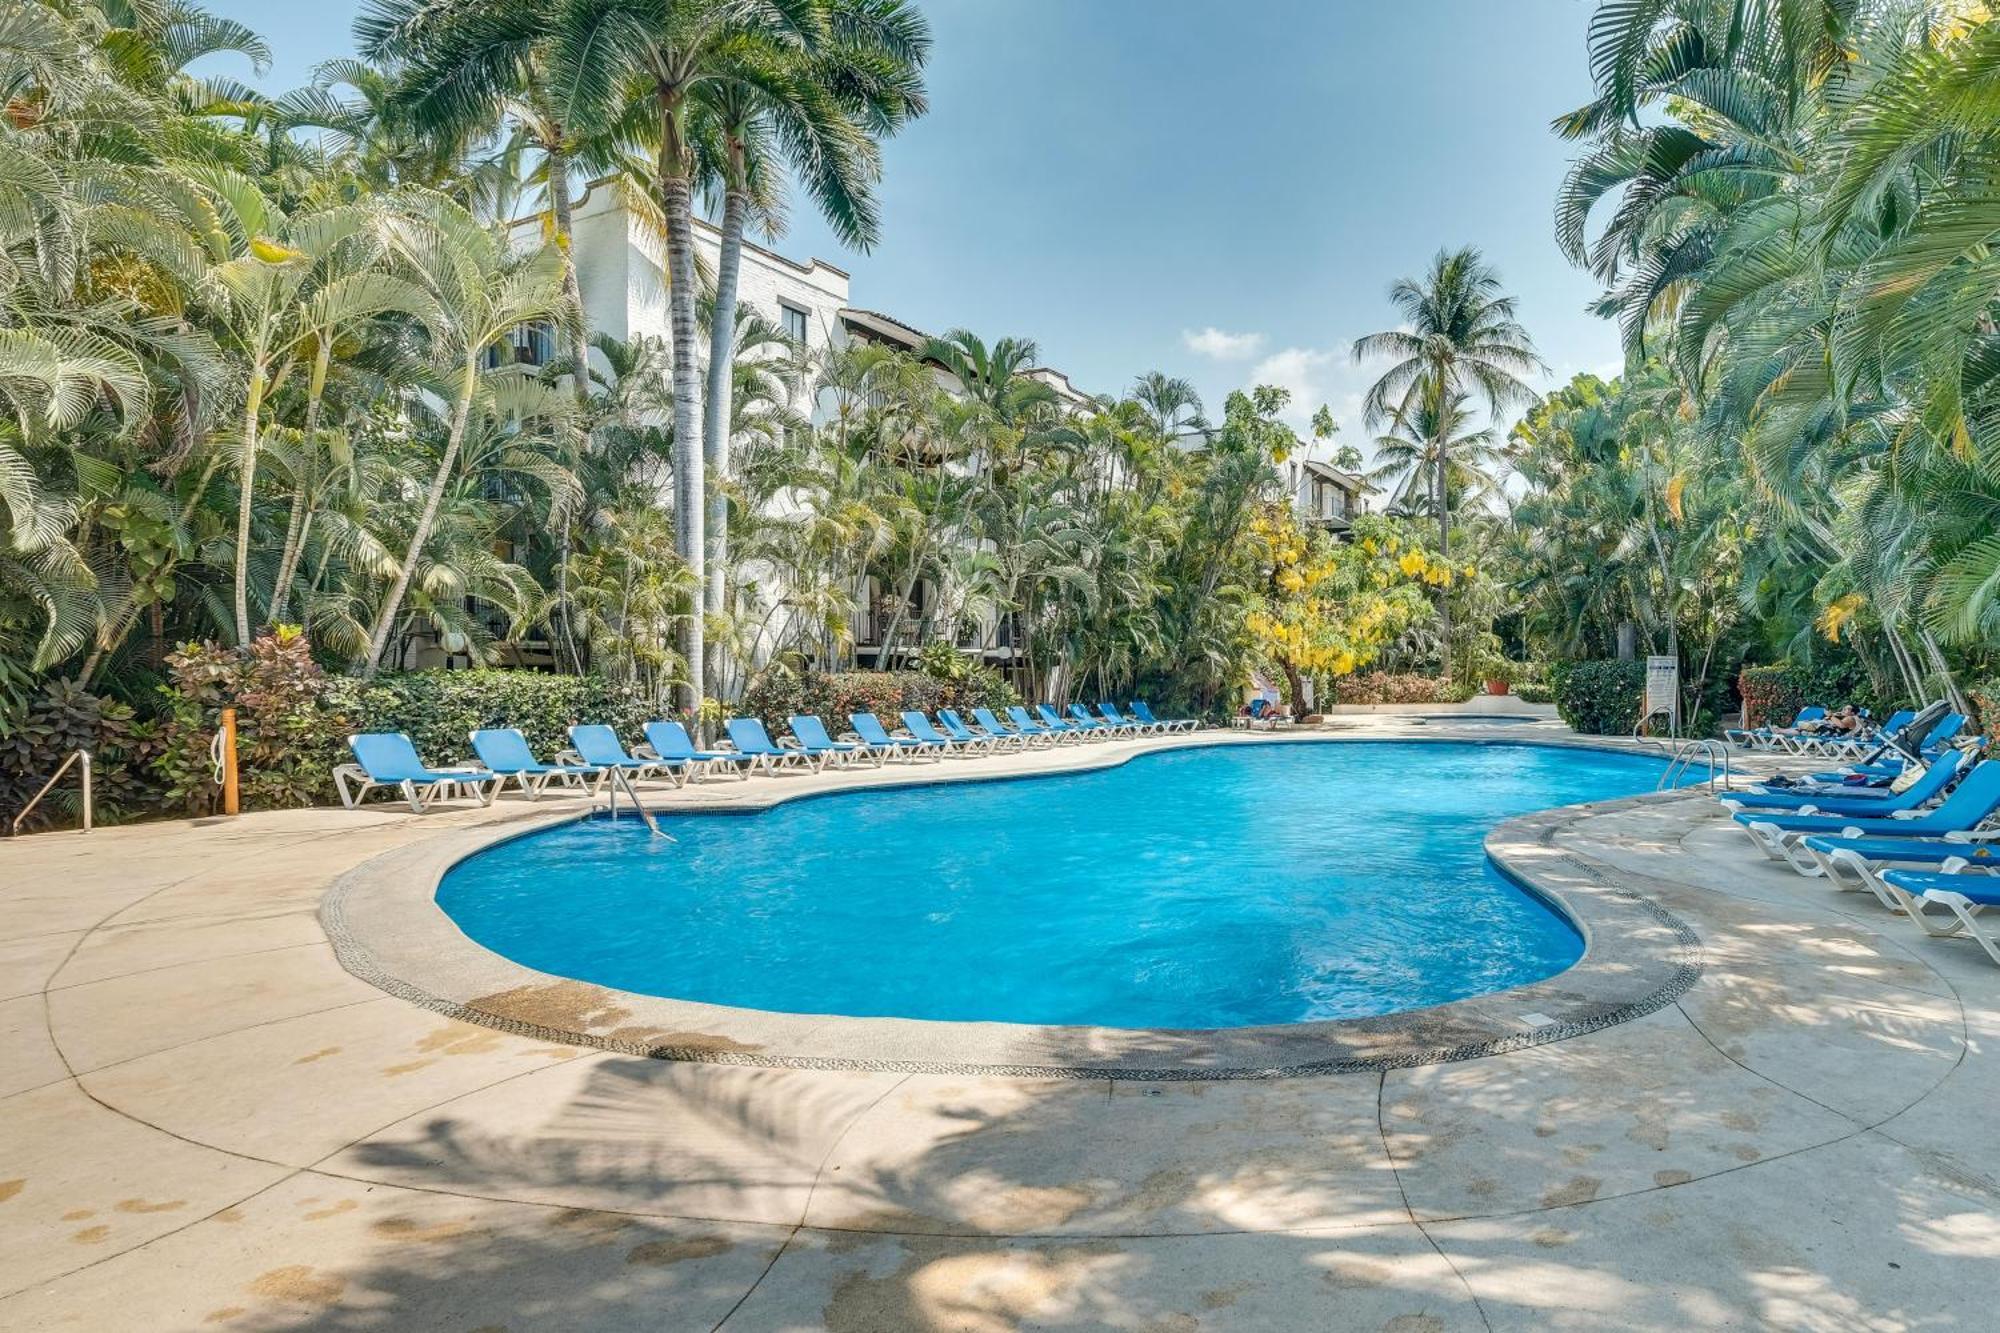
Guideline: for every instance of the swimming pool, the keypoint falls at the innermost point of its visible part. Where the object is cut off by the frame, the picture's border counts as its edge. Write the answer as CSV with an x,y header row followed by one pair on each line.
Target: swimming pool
x,y
1211,887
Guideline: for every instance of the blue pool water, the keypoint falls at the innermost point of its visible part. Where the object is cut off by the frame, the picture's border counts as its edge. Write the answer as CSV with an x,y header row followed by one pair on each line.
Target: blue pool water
x,y
1199,888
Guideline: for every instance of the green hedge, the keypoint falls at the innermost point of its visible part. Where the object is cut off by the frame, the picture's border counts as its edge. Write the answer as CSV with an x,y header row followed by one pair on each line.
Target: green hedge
x,y
293,720
1984,696
1383,687
780,692
440,708
1773,695
1599,698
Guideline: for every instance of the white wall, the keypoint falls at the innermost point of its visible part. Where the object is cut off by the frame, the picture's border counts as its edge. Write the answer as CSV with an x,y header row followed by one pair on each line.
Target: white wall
x,y
621,267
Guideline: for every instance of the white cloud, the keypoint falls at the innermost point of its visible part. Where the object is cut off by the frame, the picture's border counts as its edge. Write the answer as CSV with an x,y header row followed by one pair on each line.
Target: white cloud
x,y
1222,346
1302,370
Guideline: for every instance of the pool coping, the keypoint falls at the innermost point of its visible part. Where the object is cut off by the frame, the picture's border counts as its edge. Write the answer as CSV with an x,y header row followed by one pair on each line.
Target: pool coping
x,y
387,929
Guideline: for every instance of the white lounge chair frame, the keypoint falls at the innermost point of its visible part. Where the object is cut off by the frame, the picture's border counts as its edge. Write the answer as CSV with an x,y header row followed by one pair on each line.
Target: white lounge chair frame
x,y
481,783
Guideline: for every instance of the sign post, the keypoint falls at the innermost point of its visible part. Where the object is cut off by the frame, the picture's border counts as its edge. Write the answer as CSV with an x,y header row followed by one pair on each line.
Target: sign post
x,y
231,792
1663,691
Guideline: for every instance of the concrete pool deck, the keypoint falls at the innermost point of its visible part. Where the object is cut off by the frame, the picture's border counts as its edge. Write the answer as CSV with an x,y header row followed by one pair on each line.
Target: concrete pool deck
x,y
206,1122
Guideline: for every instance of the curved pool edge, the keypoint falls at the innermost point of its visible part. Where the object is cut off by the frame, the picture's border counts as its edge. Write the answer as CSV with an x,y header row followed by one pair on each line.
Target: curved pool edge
x,y
387,929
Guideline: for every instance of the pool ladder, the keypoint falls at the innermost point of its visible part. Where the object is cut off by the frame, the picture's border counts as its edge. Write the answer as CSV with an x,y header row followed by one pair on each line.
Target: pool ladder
x,y
617,779
1686,754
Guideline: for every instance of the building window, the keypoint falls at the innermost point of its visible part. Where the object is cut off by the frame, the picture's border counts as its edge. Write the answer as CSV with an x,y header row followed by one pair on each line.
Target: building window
x,y
794,320
527,345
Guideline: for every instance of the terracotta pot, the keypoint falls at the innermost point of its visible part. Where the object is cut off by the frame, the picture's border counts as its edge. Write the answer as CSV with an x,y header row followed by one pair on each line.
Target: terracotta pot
x,y
1498,687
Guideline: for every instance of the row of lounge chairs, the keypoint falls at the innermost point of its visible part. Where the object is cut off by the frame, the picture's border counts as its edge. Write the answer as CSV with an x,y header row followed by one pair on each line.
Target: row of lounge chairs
x,y
389,760
1805,743
1917,826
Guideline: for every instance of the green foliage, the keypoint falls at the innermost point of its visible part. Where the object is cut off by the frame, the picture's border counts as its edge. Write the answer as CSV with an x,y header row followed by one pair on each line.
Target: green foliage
x,y
62,718
1599,698
1984,695
287,731
440,709
780,692
968,682
1382,687
1773,695
293,720
1794,227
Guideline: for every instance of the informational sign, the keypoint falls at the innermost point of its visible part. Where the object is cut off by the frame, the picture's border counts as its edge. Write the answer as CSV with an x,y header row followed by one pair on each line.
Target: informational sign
x,y
1663,688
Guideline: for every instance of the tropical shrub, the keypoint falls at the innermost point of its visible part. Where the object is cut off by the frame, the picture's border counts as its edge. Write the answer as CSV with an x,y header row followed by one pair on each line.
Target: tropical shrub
x,y
288,732
1773,695
1382,687
439,709
1599,698
780,692
293,720
62,718
1984,695
968,683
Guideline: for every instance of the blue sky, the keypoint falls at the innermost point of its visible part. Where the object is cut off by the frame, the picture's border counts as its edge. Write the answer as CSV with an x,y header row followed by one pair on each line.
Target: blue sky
x,y
1217,190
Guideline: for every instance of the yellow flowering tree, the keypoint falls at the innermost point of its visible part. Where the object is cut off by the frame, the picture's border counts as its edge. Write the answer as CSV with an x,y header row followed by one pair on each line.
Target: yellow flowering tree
x,y
1329,607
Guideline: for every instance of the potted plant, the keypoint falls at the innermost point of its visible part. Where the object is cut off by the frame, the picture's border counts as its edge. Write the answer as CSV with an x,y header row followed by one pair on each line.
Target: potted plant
x,y
1497,672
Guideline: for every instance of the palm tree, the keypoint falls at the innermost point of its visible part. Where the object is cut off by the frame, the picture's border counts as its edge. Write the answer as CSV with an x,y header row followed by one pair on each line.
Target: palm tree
x,y
662,56
460,74
282,289
819,110
1436,458
478,293
1459,337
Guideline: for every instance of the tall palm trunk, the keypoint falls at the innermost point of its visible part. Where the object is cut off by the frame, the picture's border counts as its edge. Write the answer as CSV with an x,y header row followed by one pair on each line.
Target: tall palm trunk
x,y
392,607
295,526
565,219
1444,554
721,366
253,408
690,485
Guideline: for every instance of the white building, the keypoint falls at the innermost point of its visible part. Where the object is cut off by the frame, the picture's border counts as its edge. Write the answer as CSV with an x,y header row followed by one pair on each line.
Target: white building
x,y
621,272
1324,495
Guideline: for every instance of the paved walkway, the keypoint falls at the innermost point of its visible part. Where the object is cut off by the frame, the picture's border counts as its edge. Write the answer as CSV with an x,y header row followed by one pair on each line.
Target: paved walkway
x,y
206,1123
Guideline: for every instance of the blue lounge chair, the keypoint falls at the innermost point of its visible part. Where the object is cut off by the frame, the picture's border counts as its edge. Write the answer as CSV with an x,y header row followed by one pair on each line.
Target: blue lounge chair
x,y
1765,738
1970,804
668,743
995,725
747,734
870,729
1145,714
1860,862
597,746
1961,894
922,728
1853,747
811,735
1918,740
1868,802
1089,721
1056,721
955,727
1109,712
1028,726
505,751
388,759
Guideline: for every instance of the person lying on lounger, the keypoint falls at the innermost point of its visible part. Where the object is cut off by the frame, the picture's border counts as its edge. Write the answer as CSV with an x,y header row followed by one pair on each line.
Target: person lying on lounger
x,y
1844,721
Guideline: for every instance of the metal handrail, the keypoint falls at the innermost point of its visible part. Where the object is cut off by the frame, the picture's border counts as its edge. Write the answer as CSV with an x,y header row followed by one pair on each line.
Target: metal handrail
x,y
54,777
1684,758
617,780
